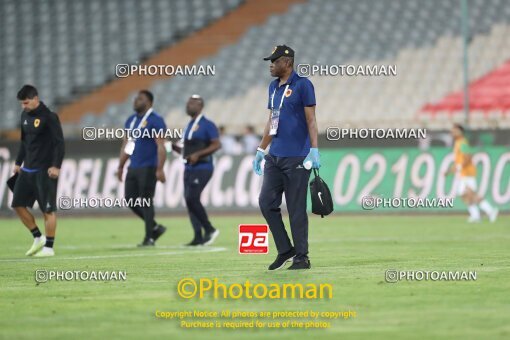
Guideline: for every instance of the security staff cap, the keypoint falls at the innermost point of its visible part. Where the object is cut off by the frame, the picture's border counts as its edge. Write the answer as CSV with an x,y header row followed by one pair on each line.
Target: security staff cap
x,y
280,51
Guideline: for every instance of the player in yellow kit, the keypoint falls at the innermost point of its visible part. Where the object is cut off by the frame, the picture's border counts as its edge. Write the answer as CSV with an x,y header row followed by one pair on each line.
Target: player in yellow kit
x,y
463,166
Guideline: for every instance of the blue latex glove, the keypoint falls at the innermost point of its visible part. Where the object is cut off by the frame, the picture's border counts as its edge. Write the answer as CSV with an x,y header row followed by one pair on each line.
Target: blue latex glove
x,y
314,157
256,162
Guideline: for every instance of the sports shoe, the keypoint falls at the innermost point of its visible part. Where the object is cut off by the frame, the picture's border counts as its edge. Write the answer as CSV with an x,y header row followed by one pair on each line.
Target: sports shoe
x,y
39,242
210,237
195,242
301,264
45,252
282,259
473,220
147,243
157,232
493,215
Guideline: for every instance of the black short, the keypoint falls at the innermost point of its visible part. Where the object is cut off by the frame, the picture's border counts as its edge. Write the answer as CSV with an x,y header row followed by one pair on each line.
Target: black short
x,y
140,183
32,186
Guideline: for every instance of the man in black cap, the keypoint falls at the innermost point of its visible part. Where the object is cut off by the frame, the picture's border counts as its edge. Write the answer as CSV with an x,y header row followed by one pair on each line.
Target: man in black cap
x,y
292,132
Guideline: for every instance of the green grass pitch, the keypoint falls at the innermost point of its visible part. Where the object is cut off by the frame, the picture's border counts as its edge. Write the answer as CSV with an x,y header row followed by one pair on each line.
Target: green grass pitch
x,y
350,252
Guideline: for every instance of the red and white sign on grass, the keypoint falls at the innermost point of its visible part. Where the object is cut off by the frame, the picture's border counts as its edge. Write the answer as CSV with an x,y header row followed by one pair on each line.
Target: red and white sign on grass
x,y
253,239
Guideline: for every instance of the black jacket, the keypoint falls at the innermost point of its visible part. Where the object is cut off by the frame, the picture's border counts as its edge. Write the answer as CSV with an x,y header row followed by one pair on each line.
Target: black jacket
x,y
42,140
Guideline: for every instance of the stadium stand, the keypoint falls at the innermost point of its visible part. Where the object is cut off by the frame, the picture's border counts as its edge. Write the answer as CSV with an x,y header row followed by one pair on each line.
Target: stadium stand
x,y
423,38
78,51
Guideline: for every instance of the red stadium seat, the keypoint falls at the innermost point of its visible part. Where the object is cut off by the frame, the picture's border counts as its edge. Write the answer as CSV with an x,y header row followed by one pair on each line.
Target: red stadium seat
x,y
489,93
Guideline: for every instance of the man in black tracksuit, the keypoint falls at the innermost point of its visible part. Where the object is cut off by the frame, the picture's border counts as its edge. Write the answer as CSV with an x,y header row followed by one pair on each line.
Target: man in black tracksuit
x,y
38,165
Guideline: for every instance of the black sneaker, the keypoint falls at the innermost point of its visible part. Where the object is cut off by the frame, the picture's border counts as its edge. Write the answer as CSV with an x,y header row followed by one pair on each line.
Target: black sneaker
x,y
195,242
210,236
282,259
147,243
157,232
301,264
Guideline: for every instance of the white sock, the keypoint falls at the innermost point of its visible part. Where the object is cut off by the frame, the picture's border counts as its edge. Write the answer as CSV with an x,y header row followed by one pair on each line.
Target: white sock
x,y
486,207
474,212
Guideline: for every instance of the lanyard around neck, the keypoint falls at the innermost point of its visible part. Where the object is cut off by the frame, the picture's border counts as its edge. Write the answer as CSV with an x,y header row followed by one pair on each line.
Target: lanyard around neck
x,y
144,118
283,97
195,123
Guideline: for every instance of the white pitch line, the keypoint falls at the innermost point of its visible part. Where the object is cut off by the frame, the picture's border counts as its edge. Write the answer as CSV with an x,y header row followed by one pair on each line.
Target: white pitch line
x,y
118,247
137,254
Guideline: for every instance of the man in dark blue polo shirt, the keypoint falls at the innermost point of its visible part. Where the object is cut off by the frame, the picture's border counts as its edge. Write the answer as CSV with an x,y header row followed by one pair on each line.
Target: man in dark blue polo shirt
x,y
292,132
146,150
201,140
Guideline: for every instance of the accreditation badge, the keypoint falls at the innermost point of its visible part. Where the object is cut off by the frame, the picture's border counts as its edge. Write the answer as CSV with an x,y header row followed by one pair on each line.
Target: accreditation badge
x,y
130,147
275,120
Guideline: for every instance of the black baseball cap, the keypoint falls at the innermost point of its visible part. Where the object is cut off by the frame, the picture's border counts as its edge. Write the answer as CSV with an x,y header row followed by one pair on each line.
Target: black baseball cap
x,y
280,51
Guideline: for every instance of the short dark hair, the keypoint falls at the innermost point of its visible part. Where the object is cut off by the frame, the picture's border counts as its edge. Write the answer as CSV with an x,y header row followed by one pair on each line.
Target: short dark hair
x,y
27,92
148,94
460,127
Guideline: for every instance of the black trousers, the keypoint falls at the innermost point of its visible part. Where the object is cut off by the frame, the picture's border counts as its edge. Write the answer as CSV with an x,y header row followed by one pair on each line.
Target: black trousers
x,y
286,175
194,183
141,183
